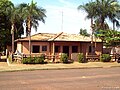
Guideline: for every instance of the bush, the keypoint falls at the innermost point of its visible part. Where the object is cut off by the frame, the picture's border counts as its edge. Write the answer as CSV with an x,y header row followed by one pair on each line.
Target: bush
x,y
28,60
105,58
64,58
81,58
34,60
39,60
25,60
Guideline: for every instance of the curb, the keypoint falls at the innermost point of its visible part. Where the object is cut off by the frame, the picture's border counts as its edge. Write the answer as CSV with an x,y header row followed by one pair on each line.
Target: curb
x,y
32,69
54,67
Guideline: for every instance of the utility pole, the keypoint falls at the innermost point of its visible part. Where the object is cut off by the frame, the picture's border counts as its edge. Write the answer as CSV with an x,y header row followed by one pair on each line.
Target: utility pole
x,y
62,22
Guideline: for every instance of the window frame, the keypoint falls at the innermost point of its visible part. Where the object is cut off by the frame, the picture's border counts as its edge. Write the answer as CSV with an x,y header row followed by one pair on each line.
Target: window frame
x,y
44,48
35,48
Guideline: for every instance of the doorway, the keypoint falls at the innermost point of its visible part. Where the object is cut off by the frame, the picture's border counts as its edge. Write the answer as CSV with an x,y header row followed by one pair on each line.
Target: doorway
x,y
66,50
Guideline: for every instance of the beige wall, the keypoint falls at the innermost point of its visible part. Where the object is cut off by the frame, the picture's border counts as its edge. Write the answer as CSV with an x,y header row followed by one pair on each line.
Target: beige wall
x,y
85,48
82,47
61,44
24,47
19,47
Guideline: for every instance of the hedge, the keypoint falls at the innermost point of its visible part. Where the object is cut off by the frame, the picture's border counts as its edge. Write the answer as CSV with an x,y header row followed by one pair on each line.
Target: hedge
x,y
34,60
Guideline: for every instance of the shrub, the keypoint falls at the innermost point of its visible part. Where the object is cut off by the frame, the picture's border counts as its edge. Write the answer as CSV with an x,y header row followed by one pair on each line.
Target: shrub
x,y
39,60
28,60
24,61
34,60
81,58
64,58
105,58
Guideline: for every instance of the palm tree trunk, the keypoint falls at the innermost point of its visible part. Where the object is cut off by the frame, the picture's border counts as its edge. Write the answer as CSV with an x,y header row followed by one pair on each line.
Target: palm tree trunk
x,y
92,35
12,32
29,43
13,42
29,31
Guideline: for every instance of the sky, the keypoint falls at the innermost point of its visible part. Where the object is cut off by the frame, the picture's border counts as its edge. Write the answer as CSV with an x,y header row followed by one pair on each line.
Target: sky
x,y
62,16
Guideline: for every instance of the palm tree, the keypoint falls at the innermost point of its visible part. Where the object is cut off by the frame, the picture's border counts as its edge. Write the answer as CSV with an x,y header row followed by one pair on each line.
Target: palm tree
x,y
89,8
106,9
32,14
115,19
98,25
101,9
11,11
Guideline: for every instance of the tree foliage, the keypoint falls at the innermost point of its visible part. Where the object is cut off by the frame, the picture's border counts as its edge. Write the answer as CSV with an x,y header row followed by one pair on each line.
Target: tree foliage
x,y
110,37
5,35
32,14
12,18
83,32
99,11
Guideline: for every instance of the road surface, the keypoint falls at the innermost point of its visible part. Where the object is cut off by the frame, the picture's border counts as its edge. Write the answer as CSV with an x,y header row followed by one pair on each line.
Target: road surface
x,y
69,79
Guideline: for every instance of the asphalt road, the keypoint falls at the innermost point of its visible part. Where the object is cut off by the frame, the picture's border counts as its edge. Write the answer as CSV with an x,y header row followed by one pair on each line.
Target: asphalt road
x,y
69,79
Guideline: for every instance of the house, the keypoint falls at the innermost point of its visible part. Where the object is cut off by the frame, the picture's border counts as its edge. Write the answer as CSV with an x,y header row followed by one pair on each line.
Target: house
x,y
55,44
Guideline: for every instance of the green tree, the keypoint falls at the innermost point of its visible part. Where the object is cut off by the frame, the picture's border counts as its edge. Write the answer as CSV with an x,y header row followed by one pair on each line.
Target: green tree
x,y
89,8
4,26
100,10
84,32
98,25
110,37
32,14
106,9
8,19
14,18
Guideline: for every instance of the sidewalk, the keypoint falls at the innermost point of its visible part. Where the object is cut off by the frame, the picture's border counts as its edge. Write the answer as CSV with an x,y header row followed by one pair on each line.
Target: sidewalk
x,y
23,67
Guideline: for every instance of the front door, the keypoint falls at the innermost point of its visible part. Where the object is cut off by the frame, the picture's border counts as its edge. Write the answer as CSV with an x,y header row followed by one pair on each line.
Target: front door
x,y
66,50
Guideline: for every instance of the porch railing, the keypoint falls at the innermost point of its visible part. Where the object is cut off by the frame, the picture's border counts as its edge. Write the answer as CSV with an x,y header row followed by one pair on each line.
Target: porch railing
x,y
92,57
53,58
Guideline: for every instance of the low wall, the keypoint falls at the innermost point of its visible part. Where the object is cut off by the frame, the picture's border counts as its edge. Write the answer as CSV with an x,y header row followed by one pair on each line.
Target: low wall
x,y
74,56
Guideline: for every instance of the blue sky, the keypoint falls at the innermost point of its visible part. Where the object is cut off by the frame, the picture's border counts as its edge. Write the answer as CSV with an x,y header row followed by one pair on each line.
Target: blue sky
x,y
62,16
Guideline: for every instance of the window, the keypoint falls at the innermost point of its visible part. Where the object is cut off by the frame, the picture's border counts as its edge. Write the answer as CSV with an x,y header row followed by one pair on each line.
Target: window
x,y
36,49
74,49
44,48
57,49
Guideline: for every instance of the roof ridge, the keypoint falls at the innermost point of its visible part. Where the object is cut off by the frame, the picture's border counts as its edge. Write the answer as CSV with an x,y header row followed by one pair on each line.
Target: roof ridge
x,y
57,35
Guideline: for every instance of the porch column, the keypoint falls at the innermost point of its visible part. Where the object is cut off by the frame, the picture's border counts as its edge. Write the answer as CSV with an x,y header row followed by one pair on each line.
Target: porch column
x,y
53,51
70,51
